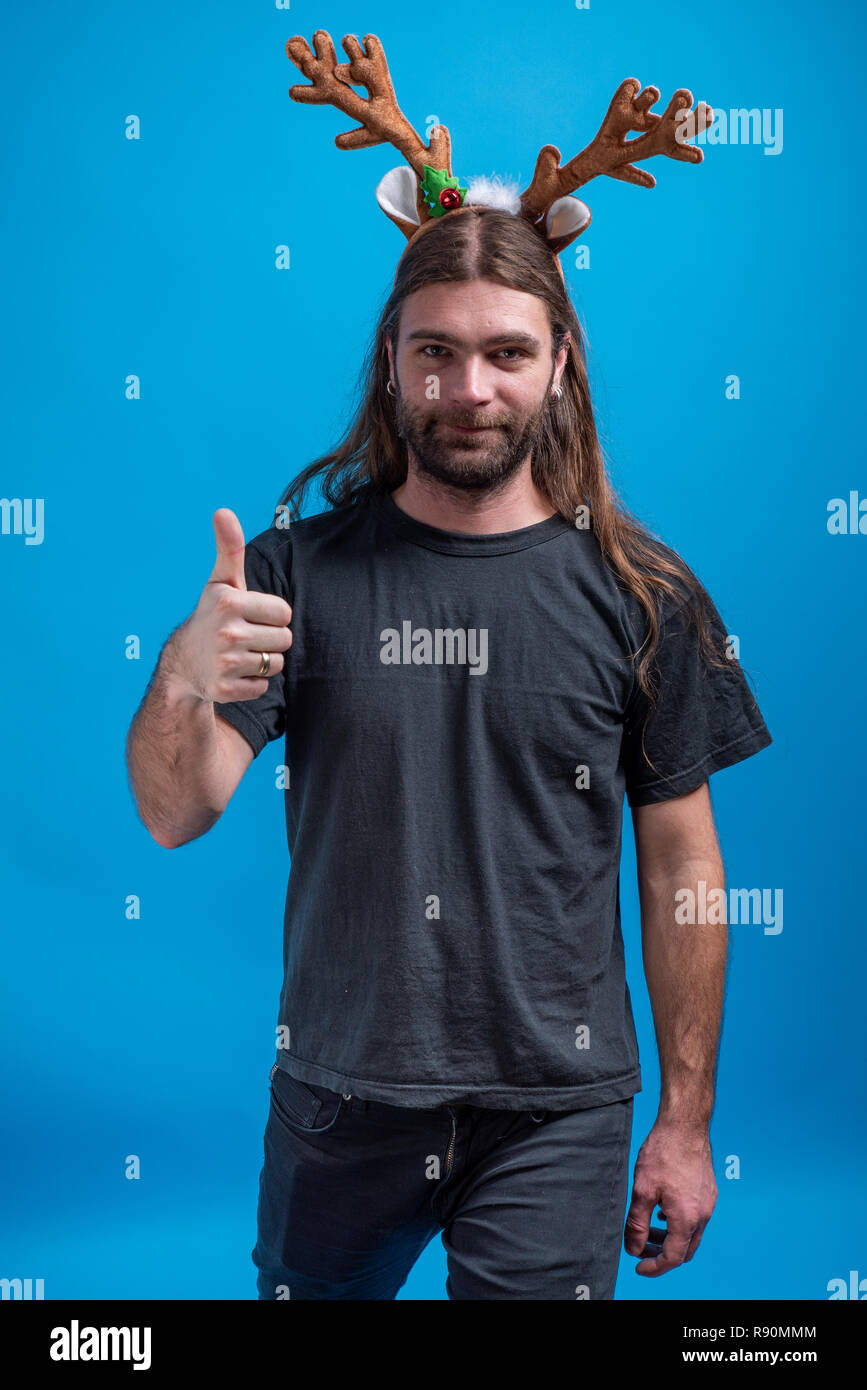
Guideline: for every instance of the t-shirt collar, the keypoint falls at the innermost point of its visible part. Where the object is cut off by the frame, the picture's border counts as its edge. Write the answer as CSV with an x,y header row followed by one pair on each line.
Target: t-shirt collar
x,y
459,542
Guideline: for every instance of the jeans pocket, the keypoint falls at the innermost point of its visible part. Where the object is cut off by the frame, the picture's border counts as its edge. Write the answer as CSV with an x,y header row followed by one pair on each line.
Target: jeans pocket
x,y
301,1105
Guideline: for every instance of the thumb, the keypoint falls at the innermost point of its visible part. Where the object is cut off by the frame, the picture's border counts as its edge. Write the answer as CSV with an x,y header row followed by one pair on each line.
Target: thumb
x,y
229,568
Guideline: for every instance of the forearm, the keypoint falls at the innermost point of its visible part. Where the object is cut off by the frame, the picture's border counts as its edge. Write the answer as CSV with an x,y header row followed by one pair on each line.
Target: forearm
x,y
684,964
174,760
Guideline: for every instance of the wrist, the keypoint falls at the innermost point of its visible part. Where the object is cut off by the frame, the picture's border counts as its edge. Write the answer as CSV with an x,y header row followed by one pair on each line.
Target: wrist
x,y
178,690
685,1112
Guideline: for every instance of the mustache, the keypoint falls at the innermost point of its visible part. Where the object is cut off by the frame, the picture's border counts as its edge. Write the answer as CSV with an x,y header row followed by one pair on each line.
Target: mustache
x,y
472,424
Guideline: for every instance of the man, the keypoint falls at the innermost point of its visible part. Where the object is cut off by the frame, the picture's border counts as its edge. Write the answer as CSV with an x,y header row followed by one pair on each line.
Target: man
x,y
466,696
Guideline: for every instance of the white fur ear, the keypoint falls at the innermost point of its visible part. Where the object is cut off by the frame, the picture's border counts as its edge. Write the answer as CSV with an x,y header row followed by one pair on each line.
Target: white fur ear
x,y
396,194
566,217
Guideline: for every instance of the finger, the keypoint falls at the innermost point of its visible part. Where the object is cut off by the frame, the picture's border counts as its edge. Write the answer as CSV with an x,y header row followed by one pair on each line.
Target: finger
x,y
248,666
254,607
257,637
243,669
229,567
674,1247
637,1223
233,688
654,1243
694,1243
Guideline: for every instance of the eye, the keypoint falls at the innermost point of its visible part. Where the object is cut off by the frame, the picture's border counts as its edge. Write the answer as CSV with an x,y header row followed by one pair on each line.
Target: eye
x,y
438,348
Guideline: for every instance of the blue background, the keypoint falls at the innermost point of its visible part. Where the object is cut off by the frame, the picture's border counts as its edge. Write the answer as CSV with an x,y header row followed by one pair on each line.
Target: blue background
x,y
157,257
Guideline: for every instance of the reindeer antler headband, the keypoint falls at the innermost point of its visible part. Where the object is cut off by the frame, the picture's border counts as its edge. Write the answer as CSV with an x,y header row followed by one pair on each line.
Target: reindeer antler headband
x,y
415,194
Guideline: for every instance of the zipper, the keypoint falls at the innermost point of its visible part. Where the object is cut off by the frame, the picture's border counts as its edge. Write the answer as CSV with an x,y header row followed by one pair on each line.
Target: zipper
x,y
450,1151
451,1148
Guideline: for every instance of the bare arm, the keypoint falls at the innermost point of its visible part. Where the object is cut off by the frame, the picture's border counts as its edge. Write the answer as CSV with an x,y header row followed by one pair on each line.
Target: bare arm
x,y
684,964
184,761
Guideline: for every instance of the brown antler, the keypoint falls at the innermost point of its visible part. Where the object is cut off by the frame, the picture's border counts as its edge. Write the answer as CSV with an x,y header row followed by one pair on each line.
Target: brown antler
x,y
611,153
379,116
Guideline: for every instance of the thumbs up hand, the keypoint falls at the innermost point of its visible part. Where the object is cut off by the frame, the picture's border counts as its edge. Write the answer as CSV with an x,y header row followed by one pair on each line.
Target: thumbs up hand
x,y
217,652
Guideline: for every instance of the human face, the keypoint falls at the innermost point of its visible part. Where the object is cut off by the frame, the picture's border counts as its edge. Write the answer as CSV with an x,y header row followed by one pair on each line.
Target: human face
x,y
473,375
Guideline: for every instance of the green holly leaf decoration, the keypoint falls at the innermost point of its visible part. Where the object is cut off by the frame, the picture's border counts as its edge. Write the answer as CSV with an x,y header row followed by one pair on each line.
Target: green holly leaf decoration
x,y
437,182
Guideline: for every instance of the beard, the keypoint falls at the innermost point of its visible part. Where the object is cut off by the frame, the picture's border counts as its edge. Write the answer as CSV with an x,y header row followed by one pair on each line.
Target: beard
x,y
472,462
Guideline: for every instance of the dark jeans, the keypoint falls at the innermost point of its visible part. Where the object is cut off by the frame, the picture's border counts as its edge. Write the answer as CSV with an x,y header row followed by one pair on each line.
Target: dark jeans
x,y
530,1205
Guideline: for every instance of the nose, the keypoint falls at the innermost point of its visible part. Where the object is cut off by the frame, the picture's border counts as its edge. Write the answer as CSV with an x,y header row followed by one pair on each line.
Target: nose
x,y
469,382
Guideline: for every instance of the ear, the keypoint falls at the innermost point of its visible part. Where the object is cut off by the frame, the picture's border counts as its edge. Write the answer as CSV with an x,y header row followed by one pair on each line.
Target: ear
x,y
561,360
567,218
397,195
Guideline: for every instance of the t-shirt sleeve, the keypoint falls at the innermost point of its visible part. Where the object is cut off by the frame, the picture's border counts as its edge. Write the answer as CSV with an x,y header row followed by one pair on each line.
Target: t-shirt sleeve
x,y
706,718
264,718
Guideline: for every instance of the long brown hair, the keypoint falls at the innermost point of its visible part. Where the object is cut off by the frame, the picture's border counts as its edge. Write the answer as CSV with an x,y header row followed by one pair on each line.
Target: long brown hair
x,y
568,466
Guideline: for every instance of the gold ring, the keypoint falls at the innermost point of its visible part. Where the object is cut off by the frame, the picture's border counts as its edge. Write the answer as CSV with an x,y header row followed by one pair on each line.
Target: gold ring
x,y
264,664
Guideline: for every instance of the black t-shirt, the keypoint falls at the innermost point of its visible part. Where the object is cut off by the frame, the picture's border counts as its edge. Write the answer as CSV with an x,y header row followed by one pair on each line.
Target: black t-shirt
x,y
462,719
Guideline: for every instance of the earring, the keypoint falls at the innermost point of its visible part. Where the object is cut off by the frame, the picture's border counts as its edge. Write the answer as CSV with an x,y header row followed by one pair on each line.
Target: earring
x,y
557,393
388,387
